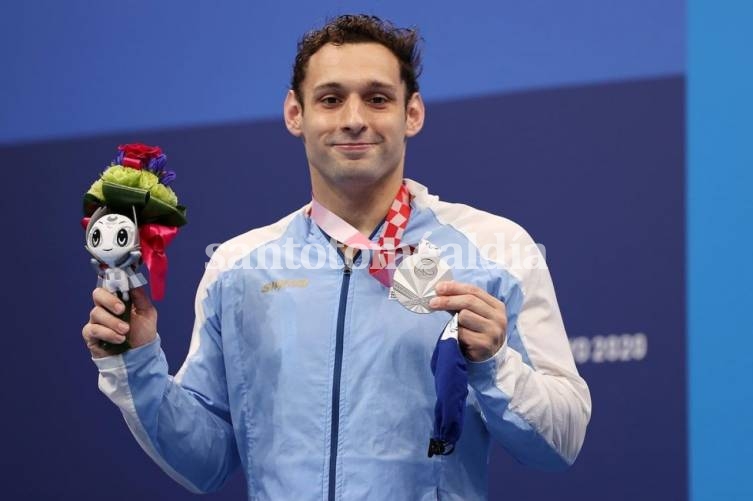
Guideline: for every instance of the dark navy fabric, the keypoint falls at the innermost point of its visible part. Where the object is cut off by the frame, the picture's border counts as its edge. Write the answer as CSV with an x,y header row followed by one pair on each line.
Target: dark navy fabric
x,y
451,382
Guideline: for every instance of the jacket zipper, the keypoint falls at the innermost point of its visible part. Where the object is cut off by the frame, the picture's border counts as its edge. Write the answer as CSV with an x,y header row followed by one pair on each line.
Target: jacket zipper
x,y
335,421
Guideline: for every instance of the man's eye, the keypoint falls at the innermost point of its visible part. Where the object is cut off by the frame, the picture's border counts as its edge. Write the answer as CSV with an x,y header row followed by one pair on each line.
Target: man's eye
x,y
379,100
330,100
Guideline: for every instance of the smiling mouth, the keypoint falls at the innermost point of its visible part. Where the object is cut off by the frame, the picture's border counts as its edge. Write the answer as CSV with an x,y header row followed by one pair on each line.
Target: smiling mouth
x,y
353,148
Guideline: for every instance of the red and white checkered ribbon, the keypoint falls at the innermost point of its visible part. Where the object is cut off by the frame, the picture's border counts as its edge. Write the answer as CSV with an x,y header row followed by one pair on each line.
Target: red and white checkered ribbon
x,y
385,249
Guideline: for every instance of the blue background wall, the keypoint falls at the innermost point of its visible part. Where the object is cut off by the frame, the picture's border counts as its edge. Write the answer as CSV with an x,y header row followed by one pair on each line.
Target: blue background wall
x,y
584,103
80,67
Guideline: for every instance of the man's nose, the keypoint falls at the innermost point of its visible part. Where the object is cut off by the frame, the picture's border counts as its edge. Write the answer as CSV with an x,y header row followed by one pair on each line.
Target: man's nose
x,y
353,116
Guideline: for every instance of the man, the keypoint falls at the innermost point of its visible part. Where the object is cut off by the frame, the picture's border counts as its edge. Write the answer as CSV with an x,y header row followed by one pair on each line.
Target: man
x,y
313,379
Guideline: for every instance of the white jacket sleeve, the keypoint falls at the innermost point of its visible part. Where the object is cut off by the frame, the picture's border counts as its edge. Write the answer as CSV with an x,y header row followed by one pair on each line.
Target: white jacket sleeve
x,y
534,402
183,426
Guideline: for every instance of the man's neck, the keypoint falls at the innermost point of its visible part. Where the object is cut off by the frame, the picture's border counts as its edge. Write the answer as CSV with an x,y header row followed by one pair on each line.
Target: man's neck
x,y
363,206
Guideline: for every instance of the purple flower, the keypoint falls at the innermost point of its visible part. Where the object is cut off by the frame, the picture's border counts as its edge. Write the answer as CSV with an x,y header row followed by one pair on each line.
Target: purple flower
x,y
167,176
157,164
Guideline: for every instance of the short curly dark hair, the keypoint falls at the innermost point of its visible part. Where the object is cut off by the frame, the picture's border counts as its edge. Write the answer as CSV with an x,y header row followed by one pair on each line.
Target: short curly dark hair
x,y
361,28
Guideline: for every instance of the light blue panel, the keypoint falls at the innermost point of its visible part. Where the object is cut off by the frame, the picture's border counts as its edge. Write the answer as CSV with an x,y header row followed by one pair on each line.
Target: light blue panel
x,y
720,265
81,67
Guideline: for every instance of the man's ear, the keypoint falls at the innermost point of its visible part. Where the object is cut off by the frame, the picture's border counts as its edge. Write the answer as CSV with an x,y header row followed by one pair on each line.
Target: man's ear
x,y
293,114
414,115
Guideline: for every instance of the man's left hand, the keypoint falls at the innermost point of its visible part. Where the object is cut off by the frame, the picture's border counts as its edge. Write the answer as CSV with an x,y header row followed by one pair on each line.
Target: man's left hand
x,y
482,318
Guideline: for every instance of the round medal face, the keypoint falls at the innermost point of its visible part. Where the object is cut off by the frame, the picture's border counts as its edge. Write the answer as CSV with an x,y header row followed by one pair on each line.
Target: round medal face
x,y
415,279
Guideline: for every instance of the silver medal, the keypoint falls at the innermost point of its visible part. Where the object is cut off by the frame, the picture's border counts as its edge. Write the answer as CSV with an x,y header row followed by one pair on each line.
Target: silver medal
x,y
415,279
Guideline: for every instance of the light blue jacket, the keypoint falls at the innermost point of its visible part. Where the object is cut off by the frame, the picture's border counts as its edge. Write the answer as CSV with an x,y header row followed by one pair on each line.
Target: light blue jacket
x,y
302,370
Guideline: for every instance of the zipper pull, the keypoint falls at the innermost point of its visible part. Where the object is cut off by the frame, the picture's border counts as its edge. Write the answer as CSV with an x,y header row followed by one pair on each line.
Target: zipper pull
x,y
348,260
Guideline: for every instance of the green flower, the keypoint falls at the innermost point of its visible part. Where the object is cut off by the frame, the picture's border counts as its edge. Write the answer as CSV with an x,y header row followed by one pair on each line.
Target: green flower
x,y
147,180
134,178
164,194
125,176
96,190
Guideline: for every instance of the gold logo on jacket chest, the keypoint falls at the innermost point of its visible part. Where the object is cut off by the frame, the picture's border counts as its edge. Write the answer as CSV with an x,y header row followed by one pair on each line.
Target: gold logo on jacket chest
x,y
279,284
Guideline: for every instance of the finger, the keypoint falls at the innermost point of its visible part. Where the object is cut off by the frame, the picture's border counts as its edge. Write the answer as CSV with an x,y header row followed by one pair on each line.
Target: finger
x,y
101,316
93,334
98,352
108,300
473,321
476,346
452,288
483,331
96,349
140,298
464,302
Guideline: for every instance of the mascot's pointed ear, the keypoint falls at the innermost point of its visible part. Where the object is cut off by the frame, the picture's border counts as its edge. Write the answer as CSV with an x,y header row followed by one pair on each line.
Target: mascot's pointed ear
x,y
136,239
98,214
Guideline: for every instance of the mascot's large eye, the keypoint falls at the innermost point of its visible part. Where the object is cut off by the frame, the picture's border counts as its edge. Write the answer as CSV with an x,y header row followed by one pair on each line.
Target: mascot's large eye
x,y
96,238
122,237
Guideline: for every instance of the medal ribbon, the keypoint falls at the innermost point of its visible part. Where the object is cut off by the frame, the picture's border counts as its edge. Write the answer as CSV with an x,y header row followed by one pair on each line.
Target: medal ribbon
x,y
385,249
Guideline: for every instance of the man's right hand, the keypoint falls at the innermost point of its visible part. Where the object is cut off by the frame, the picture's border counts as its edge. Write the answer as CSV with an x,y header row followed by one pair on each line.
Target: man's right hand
x,y
104,325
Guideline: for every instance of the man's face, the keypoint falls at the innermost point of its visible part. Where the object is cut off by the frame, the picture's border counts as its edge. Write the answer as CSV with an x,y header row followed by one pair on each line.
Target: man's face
x,y
354,119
